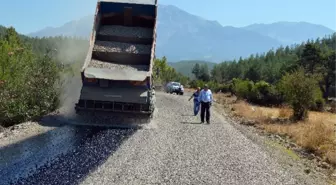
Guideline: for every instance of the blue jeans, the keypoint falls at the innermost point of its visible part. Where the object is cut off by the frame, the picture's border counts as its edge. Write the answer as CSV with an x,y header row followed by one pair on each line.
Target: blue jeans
x,y
196,107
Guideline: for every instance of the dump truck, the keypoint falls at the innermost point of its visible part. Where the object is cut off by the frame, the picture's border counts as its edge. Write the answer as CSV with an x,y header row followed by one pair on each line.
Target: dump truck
x,y
117,72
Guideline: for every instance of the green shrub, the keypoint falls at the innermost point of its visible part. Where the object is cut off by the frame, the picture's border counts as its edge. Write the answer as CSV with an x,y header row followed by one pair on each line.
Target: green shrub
x,y
193,84
29,87
196,83
224,88
301,92
214,86
261,93
200,83
264,93
242,88
319,101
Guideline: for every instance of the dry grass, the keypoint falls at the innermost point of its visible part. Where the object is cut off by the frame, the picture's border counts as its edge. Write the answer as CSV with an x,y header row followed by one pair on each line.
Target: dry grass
x,y
316,134
285,112
225,98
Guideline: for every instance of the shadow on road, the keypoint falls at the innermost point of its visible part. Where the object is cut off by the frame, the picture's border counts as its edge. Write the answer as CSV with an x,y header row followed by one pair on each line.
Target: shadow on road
x,y
23,157
83,152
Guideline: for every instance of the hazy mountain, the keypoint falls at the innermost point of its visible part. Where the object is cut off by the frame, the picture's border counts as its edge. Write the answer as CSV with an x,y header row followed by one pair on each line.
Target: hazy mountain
x,y
183,36
80,28
291,32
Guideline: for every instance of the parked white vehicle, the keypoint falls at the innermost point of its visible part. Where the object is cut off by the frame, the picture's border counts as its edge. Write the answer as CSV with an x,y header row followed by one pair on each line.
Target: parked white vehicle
x,y
174,87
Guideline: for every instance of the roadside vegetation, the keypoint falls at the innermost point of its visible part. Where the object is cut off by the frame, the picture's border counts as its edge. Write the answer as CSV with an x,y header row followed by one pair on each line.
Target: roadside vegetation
x,y
32,74
289,91
315,134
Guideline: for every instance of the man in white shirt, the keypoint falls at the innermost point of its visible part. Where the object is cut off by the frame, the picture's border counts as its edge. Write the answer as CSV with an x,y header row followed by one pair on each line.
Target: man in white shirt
x,y
205,98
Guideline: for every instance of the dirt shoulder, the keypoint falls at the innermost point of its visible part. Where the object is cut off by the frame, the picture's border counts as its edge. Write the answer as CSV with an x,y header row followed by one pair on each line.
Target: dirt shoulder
x,y
310,144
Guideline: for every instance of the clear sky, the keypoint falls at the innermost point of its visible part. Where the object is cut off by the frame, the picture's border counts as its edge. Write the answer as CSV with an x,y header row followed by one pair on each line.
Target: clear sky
x,y
31,15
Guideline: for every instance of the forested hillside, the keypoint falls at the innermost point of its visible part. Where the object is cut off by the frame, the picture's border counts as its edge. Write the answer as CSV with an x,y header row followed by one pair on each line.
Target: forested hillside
x,y
316,57
302,76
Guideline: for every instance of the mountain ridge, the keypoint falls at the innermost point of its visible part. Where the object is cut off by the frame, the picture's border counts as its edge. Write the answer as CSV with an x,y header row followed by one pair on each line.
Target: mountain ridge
x,y
290,32
184,36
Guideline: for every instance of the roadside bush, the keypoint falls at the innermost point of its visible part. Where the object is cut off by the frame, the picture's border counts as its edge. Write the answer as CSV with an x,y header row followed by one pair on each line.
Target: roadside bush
x,y
193,84
224,88
242,88
196,83
319,103
261,93
264,93
302,92
214,86
30,84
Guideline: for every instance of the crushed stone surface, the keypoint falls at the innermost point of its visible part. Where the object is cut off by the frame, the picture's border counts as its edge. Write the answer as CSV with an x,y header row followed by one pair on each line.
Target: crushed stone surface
x,y
120,47
125,31
109,65
175,149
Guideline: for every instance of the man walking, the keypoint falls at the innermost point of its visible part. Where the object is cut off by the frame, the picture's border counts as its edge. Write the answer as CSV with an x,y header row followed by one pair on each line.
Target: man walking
x,y
205,98
195,95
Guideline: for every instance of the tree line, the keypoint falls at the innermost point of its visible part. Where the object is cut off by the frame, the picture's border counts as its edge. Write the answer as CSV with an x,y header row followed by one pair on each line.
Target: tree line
x,y
301,75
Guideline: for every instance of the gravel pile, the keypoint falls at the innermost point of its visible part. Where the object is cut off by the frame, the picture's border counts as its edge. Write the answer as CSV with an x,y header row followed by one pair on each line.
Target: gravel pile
x,y
125,31
176,150
105,46
108,65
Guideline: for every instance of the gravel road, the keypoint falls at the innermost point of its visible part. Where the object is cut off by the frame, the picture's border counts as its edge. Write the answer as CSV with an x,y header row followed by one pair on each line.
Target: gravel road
x,y
173,149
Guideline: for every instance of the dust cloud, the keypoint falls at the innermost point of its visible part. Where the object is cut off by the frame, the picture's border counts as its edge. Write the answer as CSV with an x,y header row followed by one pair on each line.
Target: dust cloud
x,y
71,52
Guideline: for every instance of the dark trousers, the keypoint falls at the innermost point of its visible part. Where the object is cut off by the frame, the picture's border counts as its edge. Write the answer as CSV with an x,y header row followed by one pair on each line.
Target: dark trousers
x,y
205,108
